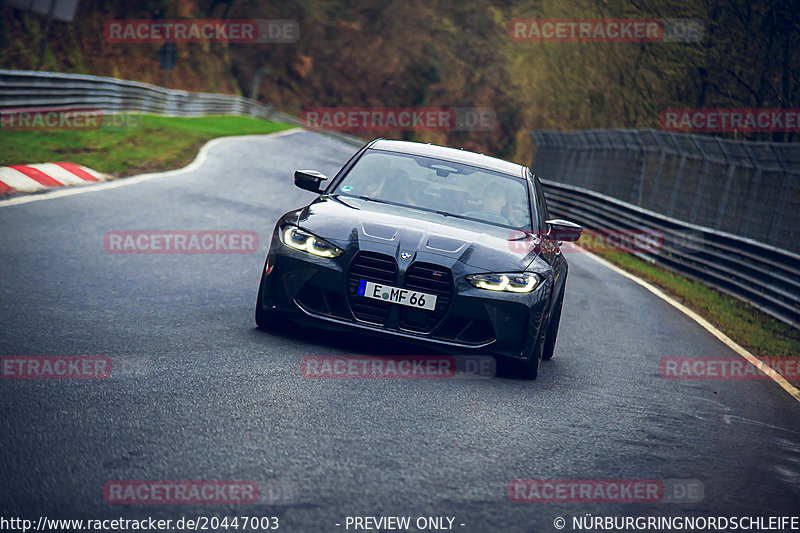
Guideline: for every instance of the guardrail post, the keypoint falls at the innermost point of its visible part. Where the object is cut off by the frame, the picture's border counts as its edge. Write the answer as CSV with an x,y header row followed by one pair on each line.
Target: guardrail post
x,y
701,184
673,197
777,218
657,179
726,190
637,185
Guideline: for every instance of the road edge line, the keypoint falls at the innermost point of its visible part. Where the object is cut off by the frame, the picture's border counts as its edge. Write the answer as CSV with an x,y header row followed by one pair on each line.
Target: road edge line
x,y
766,369
198,161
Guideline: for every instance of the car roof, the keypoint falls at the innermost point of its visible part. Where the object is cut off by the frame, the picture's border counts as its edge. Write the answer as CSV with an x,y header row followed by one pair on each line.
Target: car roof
x,y
450,154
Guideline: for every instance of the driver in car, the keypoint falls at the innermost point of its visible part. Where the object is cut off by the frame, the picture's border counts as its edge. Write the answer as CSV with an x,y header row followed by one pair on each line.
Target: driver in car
x,y
395,186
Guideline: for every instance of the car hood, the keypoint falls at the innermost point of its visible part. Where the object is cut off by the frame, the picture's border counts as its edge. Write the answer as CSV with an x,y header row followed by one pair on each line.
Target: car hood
x,y
364,224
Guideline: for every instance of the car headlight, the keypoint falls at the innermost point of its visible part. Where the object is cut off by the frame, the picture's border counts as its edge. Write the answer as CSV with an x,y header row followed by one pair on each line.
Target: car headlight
x,y
510,282
299,239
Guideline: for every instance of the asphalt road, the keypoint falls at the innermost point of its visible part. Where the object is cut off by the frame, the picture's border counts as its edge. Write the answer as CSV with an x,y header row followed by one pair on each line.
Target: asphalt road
x,y
198,393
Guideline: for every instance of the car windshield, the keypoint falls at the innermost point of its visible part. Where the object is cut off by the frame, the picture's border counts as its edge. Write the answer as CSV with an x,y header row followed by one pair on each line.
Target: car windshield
x,y
440,186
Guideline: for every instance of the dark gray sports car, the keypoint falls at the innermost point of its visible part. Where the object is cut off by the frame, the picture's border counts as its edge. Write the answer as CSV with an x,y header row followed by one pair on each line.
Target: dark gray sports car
x,y
425,243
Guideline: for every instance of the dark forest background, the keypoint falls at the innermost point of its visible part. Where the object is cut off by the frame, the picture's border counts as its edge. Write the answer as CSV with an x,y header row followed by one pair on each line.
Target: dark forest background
x,y
450,54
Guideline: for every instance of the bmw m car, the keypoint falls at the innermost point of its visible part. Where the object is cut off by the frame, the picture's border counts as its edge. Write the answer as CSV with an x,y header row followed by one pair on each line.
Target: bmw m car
x,y
424,243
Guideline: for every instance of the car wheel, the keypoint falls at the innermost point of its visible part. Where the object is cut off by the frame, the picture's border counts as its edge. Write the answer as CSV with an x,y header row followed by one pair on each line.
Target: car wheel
x,y
528,368
266,318
552,330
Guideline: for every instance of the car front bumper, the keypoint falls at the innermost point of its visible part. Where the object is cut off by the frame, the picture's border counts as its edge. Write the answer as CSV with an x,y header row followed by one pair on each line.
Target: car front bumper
x,y
467,319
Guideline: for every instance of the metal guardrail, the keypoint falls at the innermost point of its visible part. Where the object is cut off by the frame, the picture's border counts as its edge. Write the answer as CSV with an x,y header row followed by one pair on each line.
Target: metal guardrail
x,y
743,188
32,90
765,276
20,89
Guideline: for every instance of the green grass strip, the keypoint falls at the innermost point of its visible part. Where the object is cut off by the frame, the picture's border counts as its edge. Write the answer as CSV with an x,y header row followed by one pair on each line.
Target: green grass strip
x,y
152,143
749,327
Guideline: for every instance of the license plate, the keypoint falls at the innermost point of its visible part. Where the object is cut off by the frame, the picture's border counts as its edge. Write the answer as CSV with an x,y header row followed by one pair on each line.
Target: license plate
x,y
396,295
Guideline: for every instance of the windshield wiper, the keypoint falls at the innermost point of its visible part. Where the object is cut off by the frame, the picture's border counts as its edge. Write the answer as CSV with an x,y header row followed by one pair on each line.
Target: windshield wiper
x,y
379,201
360,197
446,214
367,198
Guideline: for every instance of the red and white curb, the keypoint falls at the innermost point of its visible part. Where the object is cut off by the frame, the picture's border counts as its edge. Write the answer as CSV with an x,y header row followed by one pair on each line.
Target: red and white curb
x,y
35,178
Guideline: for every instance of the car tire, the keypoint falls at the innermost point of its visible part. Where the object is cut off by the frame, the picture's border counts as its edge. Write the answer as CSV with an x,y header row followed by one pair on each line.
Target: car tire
x,y
528,368
267,318
552,330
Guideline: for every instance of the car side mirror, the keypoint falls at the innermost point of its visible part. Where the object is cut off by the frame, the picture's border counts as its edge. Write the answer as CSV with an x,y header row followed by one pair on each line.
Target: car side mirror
x,y
563,230
310,180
